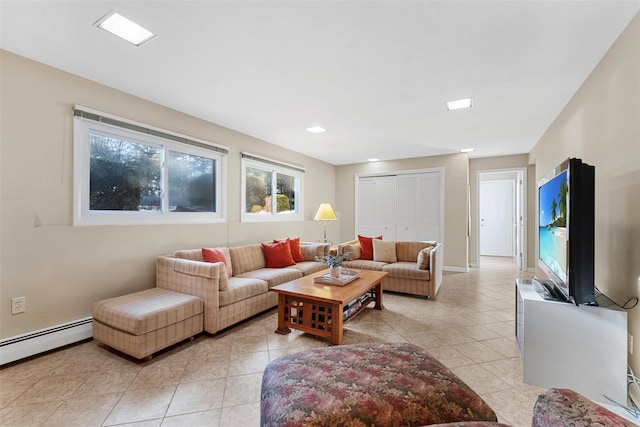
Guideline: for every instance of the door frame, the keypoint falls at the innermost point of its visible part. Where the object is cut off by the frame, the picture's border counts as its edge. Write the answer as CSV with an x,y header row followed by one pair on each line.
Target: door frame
x,y
520,200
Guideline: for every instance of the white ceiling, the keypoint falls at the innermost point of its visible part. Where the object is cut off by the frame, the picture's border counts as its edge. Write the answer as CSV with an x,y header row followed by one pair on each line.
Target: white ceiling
x,y
376,74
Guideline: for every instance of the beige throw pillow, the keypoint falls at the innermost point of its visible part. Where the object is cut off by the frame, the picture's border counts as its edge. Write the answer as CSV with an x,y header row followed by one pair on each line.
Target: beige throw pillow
x,y
384,251
355,251
312,250
423,258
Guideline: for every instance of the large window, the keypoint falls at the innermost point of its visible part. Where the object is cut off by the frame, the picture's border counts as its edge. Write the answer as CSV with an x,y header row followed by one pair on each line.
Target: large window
x,y
271,191
127,174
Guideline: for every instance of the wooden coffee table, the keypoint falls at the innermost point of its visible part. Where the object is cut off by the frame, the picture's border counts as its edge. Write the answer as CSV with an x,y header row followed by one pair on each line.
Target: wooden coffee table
x,y
317,308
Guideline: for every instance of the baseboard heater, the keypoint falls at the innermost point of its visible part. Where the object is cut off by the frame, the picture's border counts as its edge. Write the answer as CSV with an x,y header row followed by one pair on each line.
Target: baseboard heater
x,y
32,343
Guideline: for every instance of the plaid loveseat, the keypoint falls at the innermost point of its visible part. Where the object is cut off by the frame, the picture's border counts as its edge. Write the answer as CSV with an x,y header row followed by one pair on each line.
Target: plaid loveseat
x,y
407,274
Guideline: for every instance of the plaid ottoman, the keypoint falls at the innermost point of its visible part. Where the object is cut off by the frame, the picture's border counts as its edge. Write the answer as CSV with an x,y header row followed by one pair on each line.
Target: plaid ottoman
x,y
141,323
389,384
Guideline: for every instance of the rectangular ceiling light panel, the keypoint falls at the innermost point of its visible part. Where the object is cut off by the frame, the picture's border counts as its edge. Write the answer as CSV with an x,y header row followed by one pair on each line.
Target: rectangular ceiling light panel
x,y
316,129
459,104
124,28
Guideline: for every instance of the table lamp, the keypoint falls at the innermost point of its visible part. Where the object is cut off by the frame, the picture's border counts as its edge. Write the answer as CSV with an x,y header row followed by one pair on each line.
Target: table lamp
x,y
326,216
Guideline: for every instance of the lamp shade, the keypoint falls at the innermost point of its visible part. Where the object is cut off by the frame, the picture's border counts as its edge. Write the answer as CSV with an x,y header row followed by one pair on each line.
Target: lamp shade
x,y
325,213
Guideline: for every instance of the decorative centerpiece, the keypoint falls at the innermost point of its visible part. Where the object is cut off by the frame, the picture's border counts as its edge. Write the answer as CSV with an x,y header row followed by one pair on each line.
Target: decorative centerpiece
x,y
334,262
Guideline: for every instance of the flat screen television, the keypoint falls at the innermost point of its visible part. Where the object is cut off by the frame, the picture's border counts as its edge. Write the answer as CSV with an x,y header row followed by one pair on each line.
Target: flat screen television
x,y
566,198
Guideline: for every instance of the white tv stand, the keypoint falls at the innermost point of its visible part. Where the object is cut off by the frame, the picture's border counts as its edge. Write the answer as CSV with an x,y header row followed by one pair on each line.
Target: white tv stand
x,y
562,345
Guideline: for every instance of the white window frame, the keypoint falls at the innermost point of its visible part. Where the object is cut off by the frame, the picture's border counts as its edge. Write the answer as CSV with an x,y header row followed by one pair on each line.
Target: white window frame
x,y
83,216
275,167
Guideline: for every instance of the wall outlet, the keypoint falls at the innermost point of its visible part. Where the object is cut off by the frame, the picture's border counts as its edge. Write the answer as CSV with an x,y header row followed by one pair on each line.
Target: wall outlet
x,y
630,343
18,305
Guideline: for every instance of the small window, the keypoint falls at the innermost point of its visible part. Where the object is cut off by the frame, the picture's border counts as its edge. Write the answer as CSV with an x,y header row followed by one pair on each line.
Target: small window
x,y
271,191
122,176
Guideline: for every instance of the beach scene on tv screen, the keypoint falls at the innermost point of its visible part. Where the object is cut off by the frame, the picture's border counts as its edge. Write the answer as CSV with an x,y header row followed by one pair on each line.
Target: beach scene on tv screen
x,y
553,225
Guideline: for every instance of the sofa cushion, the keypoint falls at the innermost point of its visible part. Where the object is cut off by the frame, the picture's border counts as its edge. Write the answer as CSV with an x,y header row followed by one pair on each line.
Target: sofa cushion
x,y
278,254
309,267
424,257
364,264
384,251
312,250
192,254
218,255
273,276
406,270
354,251
241,288
366,246
408,251
345,246
146,311
294,246
247,258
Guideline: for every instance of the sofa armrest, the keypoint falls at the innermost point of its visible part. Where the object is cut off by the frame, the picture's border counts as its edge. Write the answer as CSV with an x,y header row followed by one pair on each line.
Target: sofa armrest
x,y
191,277
435,266
344,247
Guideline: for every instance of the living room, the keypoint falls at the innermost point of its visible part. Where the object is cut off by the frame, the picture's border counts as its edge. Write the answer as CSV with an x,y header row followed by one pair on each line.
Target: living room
x,y
63,269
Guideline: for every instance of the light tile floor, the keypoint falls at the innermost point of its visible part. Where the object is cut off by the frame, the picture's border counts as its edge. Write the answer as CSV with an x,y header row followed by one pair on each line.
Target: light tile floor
x,y
215,381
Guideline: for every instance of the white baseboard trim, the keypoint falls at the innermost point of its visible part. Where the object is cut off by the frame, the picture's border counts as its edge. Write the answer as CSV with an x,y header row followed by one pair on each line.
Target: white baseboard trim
x,y
473,265
456,269
32,343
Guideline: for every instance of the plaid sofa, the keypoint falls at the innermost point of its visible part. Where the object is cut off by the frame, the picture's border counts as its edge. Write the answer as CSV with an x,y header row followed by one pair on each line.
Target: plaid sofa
x,y
228,300
405,275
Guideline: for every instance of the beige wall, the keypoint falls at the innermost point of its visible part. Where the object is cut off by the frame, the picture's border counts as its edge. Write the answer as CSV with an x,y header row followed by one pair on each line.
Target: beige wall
x,y
456,173
498,163
63,269
601,125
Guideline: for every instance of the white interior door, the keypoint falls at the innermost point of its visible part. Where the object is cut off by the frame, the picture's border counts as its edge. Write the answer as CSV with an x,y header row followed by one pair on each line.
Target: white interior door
x,y
366,207
386,199
497,218
407,208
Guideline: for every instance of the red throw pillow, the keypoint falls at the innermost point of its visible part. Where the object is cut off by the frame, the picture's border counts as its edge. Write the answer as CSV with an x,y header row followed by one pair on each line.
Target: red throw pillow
x,y
217,255
278,254
366,246
294,245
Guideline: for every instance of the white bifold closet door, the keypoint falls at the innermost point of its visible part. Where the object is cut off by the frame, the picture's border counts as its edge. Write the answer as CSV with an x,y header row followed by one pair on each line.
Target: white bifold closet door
x,y
400,207
377,207
419,207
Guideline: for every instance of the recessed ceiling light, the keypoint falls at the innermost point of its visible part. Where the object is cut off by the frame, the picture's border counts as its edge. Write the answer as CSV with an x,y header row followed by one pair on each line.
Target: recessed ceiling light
x,y
373,160
459,104
124,28
316,129
467,150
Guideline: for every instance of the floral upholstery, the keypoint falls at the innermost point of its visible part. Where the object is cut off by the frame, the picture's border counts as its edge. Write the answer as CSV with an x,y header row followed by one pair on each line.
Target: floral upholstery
x,y
563,407
389,384
471,424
